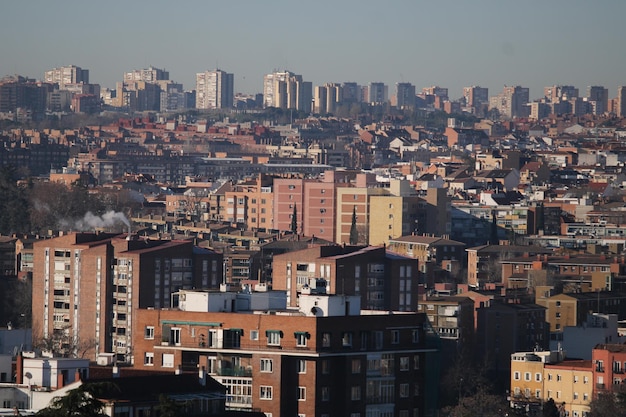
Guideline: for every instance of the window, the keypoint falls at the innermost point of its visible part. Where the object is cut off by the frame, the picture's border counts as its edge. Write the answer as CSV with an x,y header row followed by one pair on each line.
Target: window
x,y
149,332
538,377
325,394
378,339
526,376
167,359
301,393
325,339
558,378
267,365
346,339
415,334
356,366
516,375
254,335
538,393
301,366
265,392
273,337
355,393
416,362
148,359
404,363
325,367
301,338
175,336
395,337
404,390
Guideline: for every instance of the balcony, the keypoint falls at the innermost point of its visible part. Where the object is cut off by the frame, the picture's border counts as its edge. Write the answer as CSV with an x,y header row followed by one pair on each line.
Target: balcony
x,y
600,386
236,371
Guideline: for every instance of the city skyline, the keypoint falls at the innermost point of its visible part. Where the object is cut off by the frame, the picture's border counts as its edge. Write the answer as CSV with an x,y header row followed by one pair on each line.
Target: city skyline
x,y
486,43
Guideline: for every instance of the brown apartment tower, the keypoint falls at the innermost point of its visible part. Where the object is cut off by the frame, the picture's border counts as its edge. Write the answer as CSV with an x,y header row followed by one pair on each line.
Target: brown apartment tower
x,y
87,287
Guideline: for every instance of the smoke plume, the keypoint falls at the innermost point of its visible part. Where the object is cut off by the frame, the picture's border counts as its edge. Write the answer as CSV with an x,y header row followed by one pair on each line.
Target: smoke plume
x,y
108,219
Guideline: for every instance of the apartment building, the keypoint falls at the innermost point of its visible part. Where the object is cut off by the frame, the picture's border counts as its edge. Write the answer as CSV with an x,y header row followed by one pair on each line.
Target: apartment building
x,y
571,309
511,102
150,74
214,90
87,286
383,280
542,375
483,262
70,74
609,366
505,328
327,358
572,273
286,90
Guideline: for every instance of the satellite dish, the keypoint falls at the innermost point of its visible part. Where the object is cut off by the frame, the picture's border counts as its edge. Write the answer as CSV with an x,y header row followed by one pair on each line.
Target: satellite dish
x,y
28,375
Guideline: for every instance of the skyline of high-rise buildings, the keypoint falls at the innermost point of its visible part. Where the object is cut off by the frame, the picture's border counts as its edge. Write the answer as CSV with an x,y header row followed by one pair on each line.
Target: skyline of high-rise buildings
x,y
151,89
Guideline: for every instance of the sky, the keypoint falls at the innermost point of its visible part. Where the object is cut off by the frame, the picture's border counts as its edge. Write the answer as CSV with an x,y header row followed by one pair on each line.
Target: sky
x,y
450,43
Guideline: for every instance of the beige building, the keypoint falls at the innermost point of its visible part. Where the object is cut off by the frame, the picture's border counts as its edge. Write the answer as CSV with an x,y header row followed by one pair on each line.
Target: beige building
x,y
214,90
286,90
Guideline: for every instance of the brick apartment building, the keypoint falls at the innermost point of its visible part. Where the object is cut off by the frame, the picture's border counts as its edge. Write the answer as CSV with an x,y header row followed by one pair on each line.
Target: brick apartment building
x,y
87,286
327,358
383,280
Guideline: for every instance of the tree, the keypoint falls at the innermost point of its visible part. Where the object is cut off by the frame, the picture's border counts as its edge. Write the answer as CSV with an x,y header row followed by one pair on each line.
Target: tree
x,y
61,344
80,402
13,204
354,233
294,221
608,404
168,407
550,409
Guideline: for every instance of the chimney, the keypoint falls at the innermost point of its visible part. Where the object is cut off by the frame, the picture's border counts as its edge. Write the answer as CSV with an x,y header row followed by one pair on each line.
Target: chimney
x,y
19,369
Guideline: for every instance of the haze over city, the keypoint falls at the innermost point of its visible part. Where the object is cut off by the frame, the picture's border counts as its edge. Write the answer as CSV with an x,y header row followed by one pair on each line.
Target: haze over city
x,y
453,44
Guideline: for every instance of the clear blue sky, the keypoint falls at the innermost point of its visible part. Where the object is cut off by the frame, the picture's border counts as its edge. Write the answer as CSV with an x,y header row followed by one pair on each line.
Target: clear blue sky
x,y
451,43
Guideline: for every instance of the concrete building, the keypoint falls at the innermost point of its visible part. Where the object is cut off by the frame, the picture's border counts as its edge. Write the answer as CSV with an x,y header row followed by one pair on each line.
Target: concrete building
x,y
377,93
150,74
325,358
579,341
511,102
476,98
405,96
600,96
214,90
286,90
327,97
621,101
70,74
